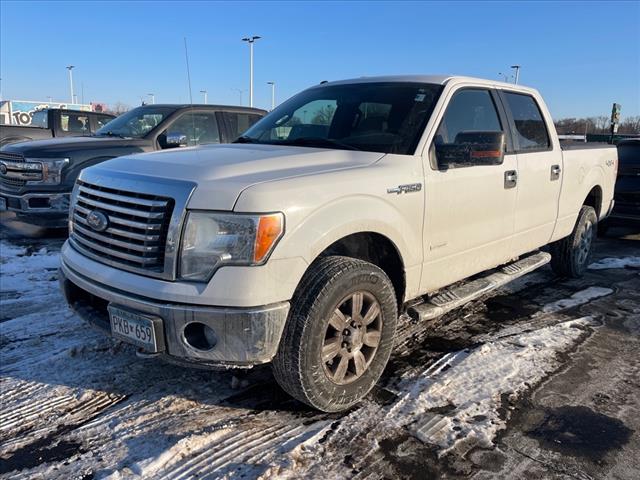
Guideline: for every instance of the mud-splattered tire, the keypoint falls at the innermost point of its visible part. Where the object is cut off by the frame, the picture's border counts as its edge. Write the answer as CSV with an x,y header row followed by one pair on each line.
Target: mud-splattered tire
x,y
339,333
570,256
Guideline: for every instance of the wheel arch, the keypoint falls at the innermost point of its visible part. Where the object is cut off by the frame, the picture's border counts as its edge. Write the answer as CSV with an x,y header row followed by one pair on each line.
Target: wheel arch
x,y
375,248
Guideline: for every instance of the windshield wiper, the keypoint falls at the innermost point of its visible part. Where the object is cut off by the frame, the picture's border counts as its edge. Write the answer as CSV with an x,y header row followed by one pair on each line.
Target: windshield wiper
x,y
245,139
318,142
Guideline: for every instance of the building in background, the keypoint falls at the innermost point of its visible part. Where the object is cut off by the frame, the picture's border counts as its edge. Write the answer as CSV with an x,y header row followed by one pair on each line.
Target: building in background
x,y
19,112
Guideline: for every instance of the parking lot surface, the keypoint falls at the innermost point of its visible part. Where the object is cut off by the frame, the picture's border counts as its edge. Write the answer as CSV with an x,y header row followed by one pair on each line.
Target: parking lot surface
x,y
540,379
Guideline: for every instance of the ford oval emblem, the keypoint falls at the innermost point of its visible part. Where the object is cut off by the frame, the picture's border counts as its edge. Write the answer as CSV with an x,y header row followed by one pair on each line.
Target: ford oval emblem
x,y
98,221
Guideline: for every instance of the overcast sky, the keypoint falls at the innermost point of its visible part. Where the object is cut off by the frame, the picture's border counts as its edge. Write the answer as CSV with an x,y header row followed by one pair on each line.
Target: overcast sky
x,y
582,56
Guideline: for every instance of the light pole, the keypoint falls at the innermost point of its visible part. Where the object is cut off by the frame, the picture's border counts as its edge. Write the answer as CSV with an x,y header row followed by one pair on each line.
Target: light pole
x,y
50,99
273,94
153,98
517,69
70,68
251,41
506,76
204,92
239,90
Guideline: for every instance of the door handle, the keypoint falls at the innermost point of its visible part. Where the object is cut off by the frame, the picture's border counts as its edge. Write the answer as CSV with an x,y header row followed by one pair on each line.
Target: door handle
x,y
510,178
555,172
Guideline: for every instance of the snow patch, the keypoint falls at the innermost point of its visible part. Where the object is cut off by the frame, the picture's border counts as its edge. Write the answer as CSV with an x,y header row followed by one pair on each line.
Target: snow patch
x,y
458,400
621,262
578,298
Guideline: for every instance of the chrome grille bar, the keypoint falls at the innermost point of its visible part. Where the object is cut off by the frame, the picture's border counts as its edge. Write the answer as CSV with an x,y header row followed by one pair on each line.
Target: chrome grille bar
x,y
135,231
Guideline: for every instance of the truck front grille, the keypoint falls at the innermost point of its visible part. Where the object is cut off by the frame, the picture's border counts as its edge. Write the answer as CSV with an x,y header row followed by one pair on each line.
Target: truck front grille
x,y
135,231
7,178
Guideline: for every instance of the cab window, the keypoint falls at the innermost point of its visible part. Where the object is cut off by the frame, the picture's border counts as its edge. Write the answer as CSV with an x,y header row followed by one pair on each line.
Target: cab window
x,y
530,129
238,123
200,128
470,133
74,123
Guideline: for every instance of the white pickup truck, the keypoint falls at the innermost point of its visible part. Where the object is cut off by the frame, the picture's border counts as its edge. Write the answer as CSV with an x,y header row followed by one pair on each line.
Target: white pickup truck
x,y
350,204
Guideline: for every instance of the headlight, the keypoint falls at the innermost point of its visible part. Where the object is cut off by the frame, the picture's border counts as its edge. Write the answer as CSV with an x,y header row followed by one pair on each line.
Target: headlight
x,y
51,169
211,240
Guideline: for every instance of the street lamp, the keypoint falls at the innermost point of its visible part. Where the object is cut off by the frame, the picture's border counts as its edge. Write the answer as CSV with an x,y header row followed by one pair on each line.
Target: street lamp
x,y
153,98
505,75
70,68
204,92
239,90
273,94
251,41
517,69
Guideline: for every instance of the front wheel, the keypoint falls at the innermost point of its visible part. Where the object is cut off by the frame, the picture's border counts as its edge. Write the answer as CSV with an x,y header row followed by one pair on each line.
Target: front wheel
x,y
339,333
571,255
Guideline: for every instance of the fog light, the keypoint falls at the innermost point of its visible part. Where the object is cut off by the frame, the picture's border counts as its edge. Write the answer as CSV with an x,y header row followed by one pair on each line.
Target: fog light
x,y
199,336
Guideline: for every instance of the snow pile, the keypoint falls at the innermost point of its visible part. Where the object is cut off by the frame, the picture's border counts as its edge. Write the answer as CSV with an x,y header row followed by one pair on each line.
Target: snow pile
x,y
621,262
459,398
578,298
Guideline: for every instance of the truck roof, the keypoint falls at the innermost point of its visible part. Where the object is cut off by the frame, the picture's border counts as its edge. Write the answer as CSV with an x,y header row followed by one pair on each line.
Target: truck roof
x,y
434,79
178,106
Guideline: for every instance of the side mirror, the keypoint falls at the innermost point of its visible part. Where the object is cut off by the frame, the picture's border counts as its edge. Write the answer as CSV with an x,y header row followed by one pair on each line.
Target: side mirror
x,y
472,148
174,140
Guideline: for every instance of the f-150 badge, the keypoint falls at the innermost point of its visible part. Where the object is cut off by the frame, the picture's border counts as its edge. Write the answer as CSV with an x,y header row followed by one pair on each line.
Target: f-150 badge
x,y
406,188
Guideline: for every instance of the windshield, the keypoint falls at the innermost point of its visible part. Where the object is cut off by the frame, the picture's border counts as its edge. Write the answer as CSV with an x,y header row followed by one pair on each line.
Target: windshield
x,y
377,117
135,123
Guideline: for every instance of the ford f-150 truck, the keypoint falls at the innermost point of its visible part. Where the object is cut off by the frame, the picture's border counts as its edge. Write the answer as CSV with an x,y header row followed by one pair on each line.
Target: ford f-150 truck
x,y
36,178
55,122
350,204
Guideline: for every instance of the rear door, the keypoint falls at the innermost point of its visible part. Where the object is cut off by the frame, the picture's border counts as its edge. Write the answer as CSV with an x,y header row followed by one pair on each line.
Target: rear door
x,y
470,205
539,172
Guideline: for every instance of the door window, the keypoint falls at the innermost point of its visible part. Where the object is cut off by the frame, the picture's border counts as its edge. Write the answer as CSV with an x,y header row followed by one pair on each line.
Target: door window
x,y
240,122
471,119
531,131
74,123
200,128
102,120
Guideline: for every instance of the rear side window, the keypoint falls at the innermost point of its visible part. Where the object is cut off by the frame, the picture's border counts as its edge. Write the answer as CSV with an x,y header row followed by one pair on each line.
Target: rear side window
x,y
240,122
531,131
102,120
74,123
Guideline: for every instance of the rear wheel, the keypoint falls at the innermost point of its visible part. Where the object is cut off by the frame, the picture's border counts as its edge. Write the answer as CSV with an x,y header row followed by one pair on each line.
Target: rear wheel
x,y
571,255
339,333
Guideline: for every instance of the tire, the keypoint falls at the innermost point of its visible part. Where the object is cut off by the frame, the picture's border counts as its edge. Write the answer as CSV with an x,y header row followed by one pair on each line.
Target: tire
x,y
323,304
571,255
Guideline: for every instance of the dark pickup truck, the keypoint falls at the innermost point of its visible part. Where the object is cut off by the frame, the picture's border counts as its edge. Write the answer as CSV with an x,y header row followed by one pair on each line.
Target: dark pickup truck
x,y
54,122
36,178
626,211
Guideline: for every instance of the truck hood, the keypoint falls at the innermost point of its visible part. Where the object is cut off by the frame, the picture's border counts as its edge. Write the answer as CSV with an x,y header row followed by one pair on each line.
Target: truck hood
x,y
222,172
66,146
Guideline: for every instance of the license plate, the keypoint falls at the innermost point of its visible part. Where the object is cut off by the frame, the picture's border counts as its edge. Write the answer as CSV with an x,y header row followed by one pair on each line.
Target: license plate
x,y
3,204
142,330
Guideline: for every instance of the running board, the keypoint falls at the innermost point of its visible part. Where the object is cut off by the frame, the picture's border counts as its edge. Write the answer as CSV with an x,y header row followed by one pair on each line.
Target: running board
x,y
454,297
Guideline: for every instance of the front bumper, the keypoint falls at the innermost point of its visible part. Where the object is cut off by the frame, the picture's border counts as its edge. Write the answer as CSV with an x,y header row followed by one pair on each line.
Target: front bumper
x,y
44,209
246,336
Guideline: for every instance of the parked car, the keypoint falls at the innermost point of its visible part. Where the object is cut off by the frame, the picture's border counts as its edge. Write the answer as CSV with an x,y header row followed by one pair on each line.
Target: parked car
x,y
349,204
626,211
36,178
55,122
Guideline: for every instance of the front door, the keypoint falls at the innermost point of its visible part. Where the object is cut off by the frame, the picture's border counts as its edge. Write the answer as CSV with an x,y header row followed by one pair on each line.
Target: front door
x,y
470,201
